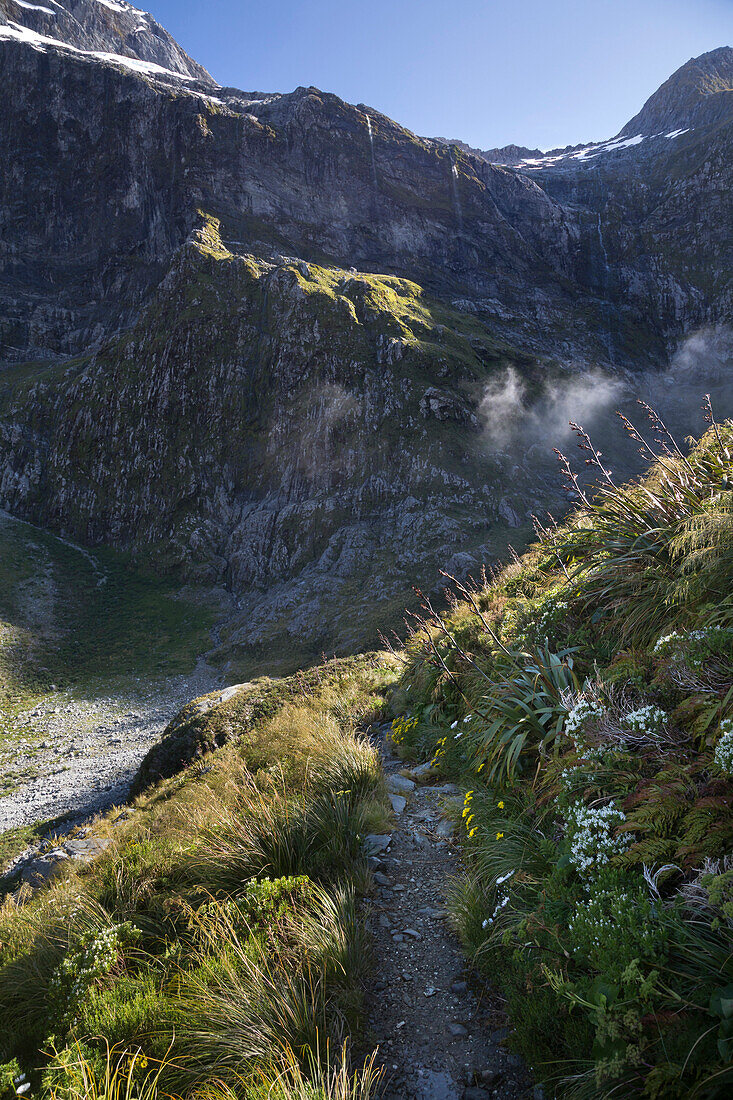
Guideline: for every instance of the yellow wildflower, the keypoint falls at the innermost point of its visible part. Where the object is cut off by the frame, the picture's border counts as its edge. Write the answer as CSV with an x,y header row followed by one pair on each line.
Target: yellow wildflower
x,y
500,805
472,831
499,836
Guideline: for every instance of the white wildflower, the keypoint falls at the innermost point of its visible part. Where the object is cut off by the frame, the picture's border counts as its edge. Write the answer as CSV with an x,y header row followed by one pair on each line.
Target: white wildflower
x,y
592,836
647,721
665,642
724,748
584,711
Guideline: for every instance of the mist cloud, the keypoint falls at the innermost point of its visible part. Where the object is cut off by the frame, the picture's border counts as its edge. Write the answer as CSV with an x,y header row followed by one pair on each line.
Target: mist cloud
x,y
512,416
518,419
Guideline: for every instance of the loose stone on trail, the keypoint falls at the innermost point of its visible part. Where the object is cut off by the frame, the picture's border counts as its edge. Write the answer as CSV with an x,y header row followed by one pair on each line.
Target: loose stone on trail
x,y
426,1052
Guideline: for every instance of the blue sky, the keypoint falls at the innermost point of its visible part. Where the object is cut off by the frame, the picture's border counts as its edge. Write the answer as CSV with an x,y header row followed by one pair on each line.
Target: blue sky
x,y
535,72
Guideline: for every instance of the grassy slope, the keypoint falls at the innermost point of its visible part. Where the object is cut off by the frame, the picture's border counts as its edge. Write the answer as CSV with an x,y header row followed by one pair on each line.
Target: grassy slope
x,y
599,889
611,934
220,945
68,617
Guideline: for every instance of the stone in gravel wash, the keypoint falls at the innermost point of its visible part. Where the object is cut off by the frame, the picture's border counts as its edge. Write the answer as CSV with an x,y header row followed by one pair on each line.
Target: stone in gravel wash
x,y
398,802
374,843
398,784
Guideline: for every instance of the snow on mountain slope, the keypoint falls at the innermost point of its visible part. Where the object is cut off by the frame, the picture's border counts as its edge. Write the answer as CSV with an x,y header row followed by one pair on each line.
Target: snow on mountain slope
x,y
698,95
106,29
588,152
42,42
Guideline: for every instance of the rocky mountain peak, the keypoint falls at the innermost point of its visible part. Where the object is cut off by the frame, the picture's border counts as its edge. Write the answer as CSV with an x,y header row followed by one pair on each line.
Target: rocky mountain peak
x,y
698,94
507,154
98,27
697,91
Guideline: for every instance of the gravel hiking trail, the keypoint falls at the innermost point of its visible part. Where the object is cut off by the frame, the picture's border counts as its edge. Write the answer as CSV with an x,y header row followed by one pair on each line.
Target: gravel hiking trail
x,y
439,1028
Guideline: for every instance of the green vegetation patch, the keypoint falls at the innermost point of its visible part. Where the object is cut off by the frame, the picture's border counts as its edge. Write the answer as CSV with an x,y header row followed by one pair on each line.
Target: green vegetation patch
x,y
216,943
584,699
84,619
237,715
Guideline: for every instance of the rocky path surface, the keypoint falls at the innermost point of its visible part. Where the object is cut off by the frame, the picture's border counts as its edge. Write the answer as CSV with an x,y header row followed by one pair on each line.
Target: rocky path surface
x,y
439,1029
78,754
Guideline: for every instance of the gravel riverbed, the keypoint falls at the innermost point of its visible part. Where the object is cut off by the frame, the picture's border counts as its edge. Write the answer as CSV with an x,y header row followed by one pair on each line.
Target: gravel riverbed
x,y
77,754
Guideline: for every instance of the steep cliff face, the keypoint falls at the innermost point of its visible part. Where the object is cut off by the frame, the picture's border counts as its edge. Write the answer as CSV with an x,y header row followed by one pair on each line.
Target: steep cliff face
x,y
109,168
660,206
307,436
253,337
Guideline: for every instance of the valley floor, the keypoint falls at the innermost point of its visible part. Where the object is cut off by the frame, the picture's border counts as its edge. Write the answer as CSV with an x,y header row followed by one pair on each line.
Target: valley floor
x,y
76,754
95,660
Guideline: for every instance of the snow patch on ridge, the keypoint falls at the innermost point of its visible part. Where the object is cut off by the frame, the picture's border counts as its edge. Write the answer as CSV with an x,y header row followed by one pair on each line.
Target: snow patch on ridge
x,y
606,147
35,7
40,42
588,152
114,6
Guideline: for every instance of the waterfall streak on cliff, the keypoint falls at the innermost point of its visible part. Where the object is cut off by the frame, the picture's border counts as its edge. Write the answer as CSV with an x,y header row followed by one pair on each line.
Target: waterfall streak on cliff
x,y
371,148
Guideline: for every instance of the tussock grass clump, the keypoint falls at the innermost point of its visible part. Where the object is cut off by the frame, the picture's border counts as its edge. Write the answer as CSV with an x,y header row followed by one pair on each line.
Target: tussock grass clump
x,y
216,944
112,1075
584,697
272,721
653,553
265,832
326,1078
250,1007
